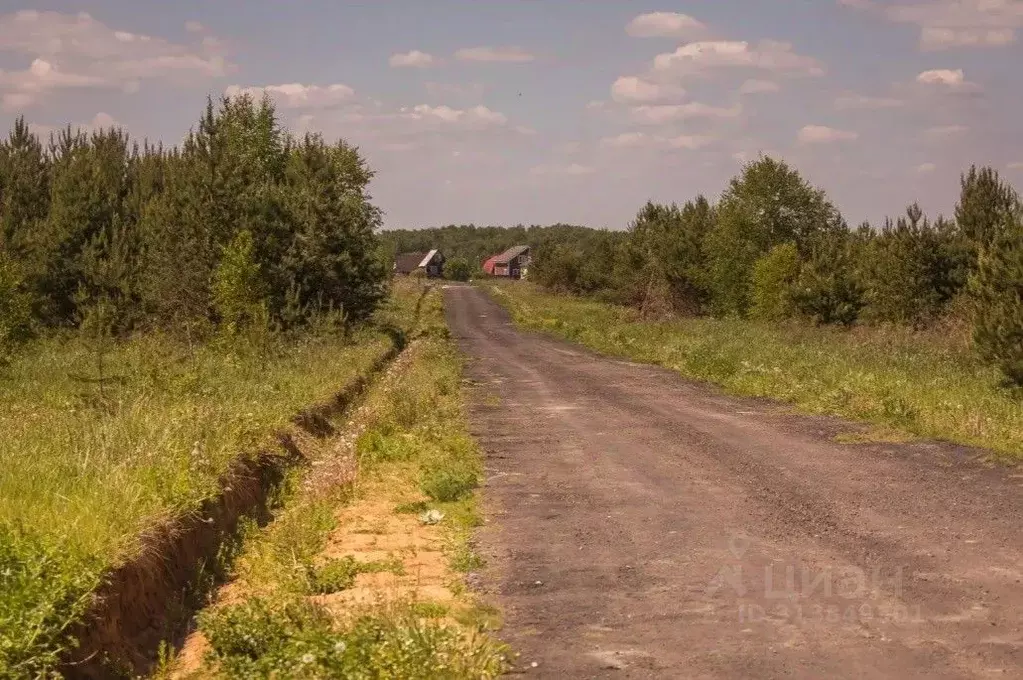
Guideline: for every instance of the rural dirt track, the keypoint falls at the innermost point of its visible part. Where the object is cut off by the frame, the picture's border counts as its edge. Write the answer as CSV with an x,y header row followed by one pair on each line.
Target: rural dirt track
x,y
644,526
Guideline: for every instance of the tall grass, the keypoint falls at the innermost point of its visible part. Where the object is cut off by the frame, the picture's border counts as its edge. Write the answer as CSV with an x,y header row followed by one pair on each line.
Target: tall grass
x,y
89,471
927,384
100,443
413,449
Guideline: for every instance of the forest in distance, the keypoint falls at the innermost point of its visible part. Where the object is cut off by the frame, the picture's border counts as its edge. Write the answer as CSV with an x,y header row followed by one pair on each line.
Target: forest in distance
x,y
775,248
246,223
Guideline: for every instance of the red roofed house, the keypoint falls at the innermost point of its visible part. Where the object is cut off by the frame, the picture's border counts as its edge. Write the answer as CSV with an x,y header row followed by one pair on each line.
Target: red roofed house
x,y
488,266
512,263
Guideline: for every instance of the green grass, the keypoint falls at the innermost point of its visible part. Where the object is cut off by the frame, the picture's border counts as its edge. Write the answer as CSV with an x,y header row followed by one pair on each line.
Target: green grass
x,y
338,575
299,639
413,433
89,475
99,447
926,384
448,483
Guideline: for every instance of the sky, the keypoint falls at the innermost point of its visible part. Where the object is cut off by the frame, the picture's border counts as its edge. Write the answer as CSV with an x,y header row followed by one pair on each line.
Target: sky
x,y
544,111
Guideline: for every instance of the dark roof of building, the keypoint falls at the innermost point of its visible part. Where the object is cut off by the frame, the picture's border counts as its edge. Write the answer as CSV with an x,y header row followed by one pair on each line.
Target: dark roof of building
x,y
510,254
406,263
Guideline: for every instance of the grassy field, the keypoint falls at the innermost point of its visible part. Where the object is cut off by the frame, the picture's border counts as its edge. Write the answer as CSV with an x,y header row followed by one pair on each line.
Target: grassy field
x,y
99,444
316,594
907,383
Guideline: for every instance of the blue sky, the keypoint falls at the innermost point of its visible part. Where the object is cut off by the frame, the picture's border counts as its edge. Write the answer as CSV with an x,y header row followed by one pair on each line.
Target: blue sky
x,y
537,111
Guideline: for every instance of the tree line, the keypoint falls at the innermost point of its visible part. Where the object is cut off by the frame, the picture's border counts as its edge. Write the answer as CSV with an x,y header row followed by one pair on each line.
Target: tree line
x,y
774,247
243,223
467,246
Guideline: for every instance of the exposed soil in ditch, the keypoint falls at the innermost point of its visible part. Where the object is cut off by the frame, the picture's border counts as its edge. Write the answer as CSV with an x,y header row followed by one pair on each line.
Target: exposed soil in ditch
x,y
368,530
150,599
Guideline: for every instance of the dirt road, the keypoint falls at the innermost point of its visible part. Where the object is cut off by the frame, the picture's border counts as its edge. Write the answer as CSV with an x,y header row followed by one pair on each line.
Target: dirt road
x,y
644,526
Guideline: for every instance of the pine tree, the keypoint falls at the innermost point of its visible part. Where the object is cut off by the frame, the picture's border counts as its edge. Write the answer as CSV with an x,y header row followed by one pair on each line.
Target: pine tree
x,y
898,269
660,265
827,290
999,288
158,237
88,187
24,188
985,207
24,205
178,258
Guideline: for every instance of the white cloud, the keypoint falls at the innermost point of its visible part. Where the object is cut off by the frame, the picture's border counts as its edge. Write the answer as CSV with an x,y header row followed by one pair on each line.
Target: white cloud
x,y
477,116
76,51
22,88
468,90
628,140
925,168
665,25
510,55
194,27
1016,165
939,132
821,134
572,169
658,115
942,38
437,128
690,142
101,121
947,24
297,95
413,59
16,101
850,101
635,90
947,77
767,55
952,81
755,86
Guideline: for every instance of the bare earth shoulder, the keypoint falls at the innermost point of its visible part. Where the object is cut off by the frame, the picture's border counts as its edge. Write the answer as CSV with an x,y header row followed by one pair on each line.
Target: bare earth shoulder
x,y
644,526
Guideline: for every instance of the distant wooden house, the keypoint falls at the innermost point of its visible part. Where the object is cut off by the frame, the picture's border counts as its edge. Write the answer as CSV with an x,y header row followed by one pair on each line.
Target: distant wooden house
x,y
488,266
512,263
430,263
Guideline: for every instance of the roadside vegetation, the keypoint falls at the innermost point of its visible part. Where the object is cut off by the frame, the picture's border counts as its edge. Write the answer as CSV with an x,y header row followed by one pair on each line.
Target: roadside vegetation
x,y
163,313
915,324
358,574
923,383
86,468
774,248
